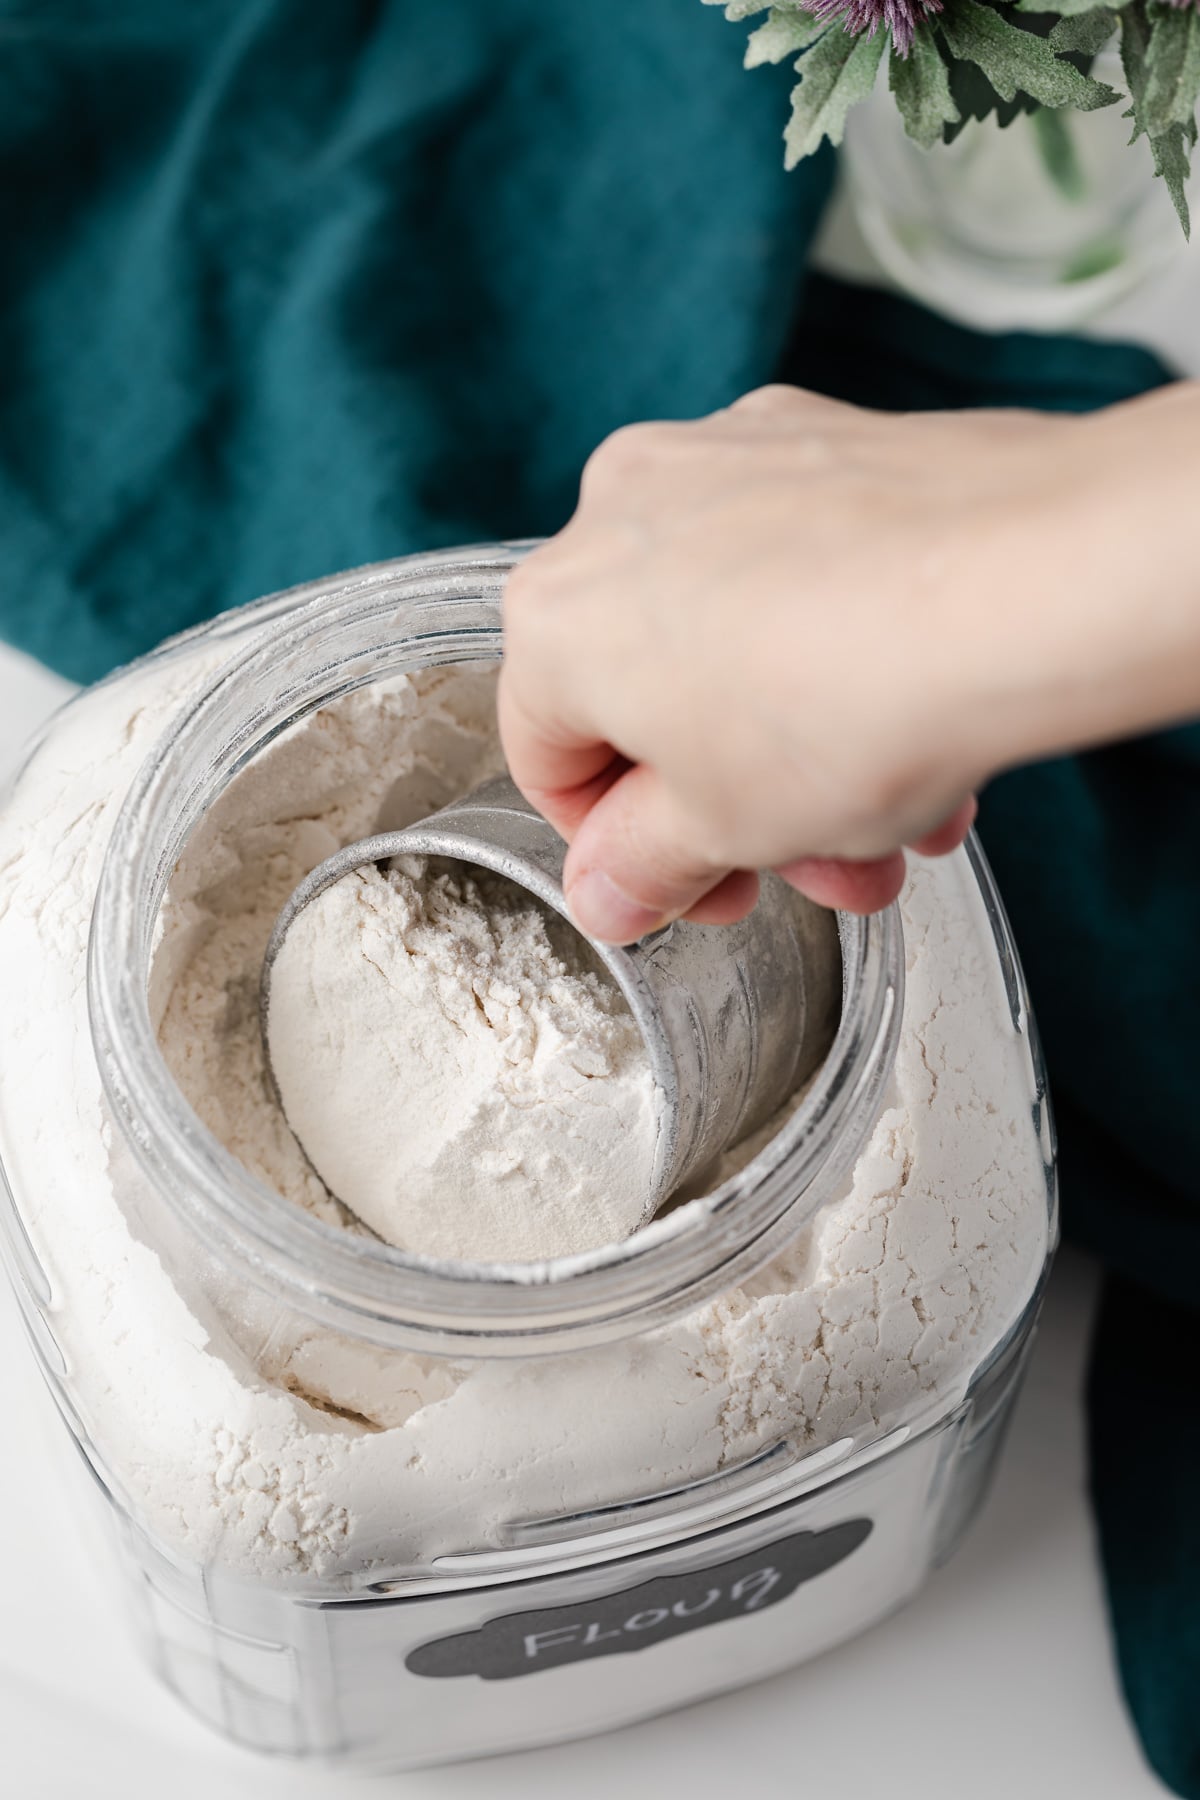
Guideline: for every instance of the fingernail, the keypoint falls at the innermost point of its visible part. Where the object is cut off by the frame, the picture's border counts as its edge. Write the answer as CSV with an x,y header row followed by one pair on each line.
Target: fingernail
x,y
601,910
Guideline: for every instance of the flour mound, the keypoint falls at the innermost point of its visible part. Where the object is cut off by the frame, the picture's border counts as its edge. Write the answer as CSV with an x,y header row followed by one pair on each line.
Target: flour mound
x,y
461,1072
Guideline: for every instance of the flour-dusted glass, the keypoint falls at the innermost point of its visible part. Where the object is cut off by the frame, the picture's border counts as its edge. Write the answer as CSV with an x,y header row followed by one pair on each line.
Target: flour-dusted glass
x,y
528,1635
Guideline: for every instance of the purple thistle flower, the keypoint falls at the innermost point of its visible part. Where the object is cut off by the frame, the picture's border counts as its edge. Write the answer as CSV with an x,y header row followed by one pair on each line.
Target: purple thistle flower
x,y
901,16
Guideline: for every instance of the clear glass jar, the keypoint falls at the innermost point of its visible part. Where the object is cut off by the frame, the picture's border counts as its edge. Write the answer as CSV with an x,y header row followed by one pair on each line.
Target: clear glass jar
x,y
1039,225
496,1624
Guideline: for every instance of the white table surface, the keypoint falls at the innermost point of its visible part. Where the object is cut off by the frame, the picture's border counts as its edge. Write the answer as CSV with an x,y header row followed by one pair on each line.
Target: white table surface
x,y
996,1682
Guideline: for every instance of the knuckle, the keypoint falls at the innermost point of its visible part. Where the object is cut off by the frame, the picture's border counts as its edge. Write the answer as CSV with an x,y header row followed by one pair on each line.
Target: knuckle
x,y
666,842
775,397
705,839
527,590
884,796
529,619
624,451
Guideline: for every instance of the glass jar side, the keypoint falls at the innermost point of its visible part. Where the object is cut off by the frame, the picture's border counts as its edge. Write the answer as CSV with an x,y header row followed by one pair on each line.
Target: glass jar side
x,y
390,1681
529,1527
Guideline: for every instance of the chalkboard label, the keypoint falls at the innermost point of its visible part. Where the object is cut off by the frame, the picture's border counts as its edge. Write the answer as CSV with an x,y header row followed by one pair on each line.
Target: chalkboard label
x,y
525,1643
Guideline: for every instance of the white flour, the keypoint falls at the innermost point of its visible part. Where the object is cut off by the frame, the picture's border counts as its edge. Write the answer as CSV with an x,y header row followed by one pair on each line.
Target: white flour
x,y
248,1436
460,1074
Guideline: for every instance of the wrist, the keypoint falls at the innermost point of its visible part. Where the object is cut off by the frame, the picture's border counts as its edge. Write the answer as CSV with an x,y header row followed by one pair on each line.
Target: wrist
x,y
1140,573
1092,630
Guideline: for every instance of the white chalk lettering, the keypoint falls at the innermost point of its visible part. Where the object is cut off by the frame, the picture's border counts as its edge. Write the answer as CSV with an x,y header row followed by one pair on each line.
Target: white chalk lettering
x,y
644,1620
537,1641
755,1587
682,1610
749,1592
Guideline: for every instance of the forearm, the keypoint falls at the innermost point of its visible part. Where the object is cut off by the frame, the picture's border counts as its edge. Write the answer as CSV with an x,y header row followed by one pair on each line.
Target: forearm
x,y
1100,635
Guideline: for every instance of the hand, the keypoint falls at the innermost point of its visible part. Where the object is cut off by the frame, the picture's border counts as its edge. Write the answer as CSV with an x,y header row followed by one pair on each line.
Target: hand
x,y
798,635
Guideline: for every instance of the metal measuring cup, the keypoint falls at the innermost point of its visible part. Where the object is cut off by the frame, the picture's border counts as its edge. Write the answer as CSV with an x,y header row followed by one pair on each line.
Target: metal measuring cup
x,y
734,1017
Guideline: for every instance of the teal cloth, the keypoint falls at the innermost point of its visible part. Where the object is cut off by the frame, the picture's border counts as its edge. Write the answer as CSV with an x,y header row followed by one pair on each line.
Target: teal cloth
x,y
287,287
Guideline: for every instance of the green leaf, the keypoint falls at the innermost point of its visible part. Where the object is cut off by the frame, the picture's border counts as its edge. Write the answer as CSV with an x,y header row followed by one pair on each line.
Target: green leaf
x,y
783,35
736,10
1171,149
1016,61
976,98
836,73
1172,153
1086,32
1172,70
1135,42
1067,9
920,84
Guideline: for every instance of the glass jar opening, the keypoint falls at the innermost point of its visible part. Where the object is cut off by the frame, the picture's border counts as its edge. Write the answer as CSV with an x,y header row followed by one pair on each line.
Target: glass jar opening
x,y
314,647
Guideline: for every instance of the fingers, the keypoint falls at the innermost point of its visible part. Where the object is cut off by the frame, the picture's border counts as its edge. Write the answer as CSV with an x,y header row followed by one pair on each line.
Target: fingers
x,y
950,833
567,808
867,887
560,770
729,901
855,887
635,865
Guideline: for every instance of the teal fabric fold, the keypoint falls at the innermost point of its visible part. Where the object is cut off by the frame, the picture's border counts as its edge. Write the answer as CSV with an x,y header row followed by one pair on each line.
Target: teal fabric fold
x,y
286,287
878,349
1145,1477
289,286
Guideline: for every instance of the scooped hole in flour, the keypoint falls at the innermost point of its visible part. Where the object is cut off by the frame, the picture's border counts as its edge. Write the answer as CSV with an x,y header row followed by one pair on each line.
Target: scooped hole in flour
x,y
459,1067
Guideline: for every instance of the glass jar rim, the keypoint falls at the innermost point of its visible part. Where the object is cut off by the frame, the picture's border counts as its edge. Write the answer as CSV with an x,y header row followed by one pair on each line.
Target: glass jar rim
x,y
333,637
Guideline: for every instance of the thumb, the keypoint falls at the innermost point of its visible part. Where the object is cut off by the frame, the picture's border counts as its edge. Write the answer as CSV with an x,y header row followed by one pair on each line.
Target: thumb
x,y
635,863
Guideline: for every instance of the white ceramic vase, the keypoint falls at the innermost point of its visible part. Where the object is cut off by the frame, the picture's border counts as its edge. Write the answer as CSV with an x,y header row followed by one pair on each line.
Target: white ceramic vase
x,y
1042,224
